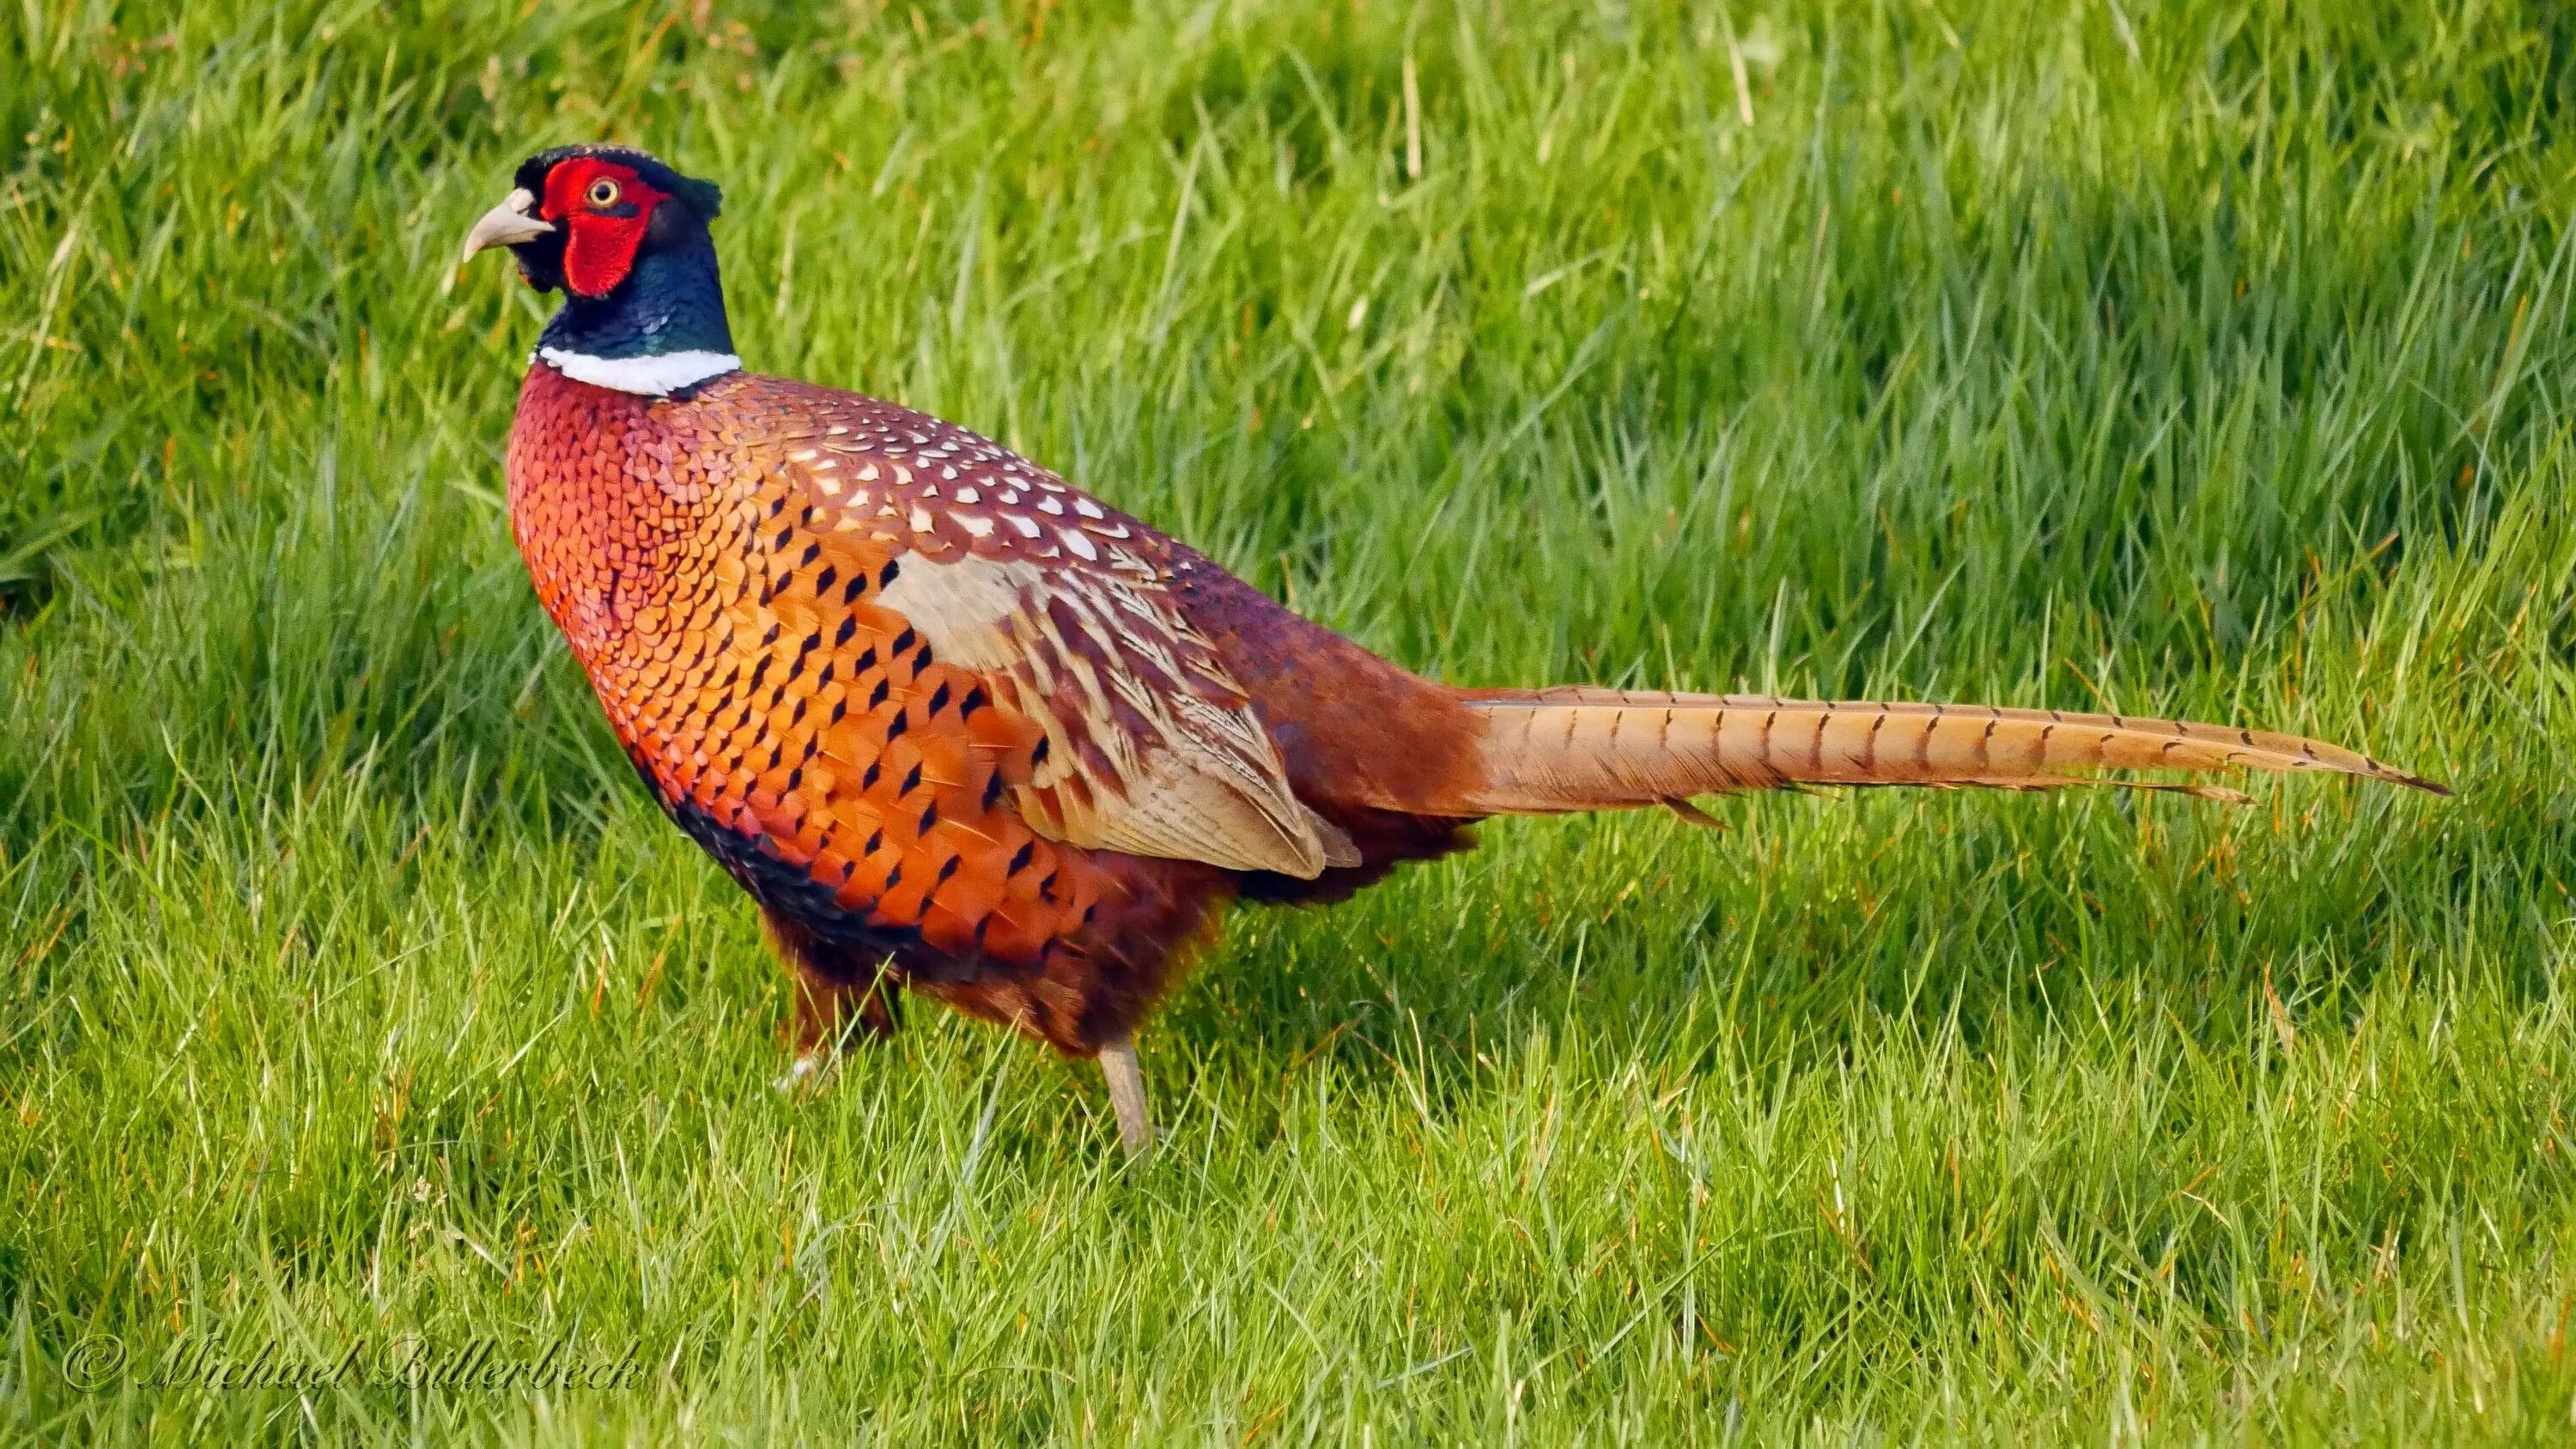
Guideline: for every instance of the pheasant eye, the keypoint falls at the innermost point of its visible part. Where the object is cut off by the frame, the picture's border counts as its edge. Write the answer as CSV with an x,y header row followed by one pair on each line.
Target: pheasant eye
x,y
603,192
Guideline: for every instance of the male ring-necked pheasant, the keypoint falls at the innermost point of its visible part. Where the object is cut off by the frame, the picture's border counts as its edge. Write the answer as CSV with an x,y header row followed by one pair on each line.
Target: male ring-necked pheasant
x,y
962,729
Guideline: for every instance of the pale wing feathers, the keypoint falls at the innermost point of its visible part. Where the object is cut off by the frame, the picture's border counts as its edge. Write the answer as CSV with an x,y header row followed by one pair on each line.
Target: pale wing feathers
x,y
1582,749
1153,748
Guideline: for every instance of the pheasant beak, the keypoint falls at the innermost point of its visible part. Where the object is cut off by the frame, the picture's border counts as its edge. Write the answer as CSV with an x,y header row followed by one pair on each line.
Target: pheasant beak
x,y
508,224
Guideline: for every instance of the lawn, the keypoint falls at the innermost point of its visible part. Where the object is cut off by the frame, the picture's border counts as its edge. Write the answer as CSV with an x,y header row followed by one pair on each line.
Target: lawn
x,y
2201,359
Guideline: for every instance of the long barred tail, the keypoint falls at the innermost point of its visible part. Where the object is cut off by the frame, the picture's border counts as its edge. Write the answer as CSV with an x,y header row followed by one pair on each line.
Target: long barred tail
x,y
1549,750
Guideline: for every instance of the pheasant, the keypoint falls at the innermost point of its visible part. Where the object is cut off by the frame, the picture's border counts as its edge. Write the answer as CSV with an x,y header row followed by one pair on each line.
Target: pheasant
x,y
961,729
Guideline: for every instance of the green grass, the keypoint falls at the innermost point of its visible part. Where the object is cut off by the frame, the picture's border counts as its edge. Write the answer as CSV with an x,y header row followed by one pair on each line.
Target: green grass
x,y
2194,358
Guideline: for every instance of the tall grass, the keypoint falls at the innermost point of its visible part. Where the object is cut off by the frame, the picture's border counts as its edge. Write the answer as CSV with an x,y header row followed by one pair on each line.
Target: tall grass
x,y
2204,359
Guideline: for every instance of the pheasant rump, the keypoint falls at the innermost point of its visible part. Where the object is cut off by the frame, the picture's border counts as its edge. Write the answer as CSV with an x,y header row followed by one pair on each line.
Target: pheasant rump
x,y
961,729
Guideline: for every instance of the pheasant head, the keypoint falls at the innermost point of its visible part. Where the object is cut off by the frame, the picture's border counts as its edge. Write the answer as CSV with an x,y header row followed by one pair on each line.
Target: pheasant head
x,y
624,238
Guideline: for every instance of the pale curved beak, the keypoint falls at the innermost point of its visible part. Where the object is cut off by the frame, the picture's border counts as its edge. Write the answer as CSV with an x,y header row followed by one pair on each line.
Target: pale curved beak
x,y
506,225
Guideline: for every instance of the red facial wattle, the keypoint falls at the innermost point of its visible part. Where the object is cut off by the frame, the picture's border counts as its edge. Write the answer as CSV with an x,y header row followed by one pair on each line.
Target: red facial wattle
x,y
604,208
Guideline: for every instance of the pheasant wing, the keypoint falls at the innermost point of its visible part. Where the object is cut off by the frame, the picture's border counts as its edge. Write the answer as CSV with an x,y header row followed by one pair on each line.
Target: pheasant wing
x,y
1062,609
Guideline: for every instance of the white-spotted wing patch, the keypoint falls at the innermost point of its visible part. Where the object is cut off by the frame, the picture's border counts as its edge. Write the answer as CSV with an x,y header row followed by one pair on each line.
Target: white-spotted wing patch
x,y
1061,605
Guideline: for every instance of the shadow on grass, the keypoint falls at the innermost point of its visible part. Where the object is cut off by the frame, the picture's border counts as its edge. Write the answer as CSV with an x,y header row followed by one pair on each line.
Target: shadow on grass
x,y
1790,947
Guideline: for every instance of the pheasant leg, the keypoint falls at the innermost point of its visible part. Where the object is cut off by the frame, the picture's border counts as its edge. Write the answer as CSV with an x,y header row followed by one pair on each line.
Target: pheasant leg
x,y
827,1006
1127,1094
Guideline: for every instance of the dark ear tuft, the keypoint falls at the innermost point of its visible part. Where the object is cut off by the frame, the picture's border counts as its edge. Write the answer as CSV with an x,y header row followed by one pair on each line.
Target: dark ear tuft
x,y
704,197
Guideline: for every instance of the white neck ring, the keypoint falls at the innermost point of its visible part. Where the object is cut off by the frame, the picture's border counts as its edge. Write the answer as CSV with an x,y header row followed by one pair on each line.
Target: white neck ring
x,y
655,376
